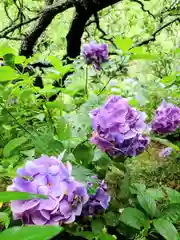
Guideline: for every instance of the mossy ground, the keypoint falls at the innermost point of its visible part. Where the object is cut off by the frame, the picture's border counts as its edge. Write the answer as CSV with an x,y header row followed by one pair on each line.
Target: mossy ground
x,y
154,171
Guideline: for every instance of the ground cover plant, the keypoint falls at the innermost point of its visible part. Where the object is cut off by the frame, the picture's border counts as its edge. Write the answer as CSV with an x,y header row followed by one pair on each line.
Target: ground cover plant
x,y
90,120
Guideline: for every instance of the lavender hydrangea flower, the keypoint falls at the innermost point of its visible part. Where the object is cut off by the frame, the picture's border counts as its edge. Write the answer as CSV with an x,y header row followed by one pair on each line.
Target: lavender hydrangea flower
x,y
95,54
48,176
118,128
165,152
98,201
167,118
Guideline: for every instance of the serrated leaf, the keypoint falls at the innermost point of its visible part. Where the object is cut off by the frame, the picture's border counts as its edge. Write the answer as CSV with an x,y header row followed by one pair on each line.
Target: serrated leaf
x,y
81,173
31,233
11,196
13,144
133,218
166,229
147,203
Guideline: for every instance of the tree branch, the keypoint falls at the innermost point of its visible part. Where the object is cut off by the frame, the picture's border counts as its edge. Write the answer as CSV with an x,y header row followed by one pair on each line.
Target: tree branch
x,y
153,36
4,32
45,19
143,7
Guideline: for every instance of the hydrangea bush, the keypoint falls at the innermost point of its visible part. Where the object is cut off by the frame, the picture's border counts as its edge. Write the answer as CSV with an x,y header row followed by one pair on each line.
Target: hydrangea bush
x,y
118,128
67,198
167,118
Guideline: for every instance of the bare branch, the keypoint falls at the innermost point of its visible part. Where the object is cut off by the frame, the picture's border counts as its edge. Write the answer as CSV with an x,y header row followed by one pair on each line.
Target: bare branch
x,y
9,29
153,36
96,17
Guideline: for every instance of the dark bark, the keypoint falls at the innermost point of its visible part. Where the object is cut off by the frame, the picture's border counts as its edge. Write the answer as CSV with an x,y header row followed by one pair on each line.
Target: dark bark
x,y
45,19
83,13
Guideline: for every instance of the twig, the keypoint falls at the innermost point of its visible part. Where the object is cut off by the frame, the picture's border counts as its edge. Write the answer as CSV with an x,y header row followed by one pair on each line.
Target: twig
x,y
15,119
13,28
143,7
153,36
96,19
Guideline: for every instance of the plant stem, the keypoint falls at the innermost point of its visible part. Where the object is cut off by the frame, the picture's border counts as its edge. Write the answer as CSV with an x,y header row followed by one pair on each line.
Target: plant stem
x,y
86,83
15,119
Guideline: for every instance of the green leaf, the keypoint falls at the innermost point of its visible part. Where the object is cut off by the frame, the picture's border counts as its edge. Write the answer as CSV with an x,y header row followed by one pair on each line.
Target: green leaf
x,y
105,236
9,59
7,74
144,56
166,229
123,44
63,129
172,213
133,218
31,233
4,219
112,219
26,93
147,203
13,144
81,173
173,195
46,144
10,196
85,234
136,188
19,59
97,226
57,64
166,143
5,48
83,154
156,194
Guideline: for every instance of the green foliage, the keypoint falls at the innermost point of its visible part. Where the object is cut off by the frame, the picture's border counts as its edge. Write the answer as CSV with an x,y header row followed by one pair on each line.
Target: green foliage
x,y
31,232
9,196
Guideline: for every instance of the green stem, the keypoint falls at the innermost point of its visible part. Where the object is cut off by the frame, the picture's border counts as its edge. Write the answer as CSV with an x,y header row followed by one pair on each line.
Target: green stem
x,y
86,83
15,119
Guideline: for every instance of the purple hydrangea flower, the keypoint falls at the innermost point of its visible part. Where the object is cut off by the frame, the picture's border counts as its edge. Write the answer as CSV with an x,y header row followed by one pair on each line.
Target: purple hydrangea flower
x,y
167,118
165,152
48,176
95,54
98,201
118,128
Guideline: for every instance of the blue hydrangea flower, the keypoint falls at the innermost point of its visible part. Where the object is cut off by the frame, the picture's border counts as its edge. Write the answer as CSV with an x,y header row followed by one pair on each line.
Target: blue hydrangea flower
x,y
118,128
167,118
95,54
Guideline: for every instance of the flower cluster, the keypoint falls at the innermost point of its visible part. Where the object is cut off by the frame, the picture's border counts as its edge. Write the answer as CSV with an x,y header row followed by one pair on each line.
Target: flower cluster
x,y
98,199
48,176
167,118
95,54
118,128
